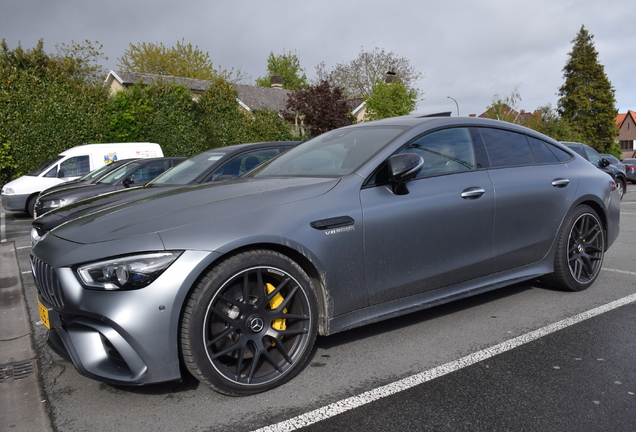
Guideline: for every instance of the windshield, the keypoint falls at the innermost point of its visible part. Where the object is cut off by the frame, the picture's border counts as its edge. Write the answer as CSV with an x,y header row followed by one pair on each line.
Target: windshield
x,y
335,153
189,169
44,165
95,173
118,173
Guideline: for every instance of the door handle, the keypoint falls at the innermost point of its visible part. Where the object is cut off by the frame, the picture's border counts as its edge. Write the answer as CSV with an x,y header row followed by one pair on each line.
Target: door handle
x,y
560,182
473,193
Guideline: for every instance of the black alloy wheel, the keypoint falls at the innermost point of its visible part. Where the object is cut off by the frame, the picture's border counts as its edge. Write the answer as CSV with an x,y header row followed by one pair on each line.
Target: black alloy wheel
x,y
580,251
250,324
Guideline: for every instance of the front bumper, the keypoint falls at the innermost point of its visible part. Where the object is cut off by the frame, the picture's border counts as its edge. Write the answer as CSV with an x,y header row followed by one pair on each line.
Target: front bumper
x,y
119,337
14,202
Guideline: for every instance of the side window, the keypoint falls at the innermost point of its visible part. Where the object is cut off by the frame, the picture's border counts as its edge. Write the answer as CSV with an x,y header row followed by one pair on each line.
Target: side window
x,y
52,172
592,155
243,163
561,154
444,151
75,166
542,151
506,148
149,171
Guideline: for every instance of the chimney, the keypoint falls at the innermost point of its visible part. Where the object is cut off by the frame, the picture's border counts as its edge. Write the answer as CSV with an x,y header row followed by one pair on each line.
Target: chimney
x,y
391,77
472,115
276,81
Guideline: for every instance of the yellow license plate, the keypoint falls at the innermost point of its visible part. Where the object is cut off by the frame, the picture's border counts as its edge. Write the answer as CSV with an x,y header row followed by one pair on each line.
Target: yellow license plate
x,y
44,315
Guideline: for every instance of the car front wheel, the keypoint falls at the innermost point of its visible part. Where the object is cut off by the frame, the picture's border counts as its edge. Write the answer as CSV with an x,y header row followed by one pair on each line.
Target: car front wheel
x,y
580,251
250,323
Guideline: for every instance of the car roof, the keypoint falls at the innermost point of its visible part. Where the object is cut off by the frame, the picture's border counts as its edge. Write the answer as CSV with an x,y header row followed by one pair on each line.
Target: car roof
x,y
254,145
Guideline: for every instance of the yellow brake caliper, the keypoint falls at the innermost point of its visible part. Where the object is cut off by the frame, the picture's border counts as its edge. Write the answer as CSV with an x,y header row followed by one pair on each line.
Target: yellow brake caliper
x,y
279,323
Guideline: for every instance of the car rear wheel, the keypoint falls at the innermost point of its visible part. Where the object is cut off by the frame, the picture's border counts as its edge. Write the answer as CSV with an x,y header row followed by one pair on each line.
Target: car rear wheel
x,y
250,323
580,251
621,186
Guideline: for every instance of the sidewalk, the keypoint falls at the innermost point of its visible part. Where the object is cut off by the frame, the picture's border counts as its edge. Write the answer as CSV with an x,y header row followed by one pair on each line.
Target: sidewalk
x,y
22,406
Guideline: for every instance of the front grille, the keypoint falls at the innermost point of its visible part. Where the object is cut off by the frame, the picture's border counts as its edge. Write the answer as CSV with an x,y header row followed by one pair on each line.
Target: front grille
x,y
47,283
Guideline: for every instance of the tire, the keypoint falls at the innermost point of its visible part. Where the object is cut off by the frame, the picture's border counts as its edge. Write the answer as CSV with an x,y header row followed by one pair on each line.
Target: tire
x,y
579,252
30,207
250,324
621,186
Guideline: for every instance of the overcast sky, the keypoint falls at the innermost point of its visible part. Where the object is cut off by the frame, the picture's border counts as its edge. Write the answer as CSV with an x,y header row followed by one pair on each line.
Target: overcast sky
x,y
469,50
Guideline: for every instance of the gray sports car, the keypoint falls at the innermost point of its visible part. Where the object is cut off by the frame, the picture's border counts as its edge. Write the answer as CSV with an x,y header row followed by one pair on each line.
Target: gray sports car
x,y
235,280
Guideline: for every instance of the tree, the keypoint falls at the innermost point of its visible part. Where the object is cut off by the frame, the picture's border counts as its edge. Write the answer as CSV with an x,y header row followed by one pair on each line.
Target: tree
x,y
221,119
358,77
287,66
587,96
182,60
547,121
390,100
319,108
161,112
267,125
48,103
82,60
506,109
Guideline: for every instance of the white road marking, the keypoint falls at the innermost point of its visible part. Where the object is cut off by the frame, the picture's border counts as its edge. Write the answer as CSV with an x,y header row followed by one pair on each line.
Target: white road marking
x,y
3,237
353,402
619,271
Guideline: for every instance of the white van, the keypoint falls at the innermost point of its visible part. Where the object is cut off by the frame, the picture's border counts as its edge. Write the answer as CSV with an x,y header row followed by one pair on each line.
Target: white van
x,y
21,193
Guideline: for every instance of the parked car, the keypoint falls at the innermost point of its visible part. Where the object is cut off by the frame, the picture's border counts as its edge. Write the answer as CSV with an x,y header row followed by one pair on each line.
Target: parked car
x,y
235,280
222,163
601,163
133,174
20,194
630,169
90,178
614,161
214,165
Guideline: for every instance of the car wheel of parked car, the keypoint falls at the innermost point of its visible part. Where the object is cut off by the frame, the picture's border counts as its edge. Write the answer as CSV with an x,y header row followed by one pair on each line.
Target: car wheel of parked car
x,y
580,251
621,186
31,205
250,323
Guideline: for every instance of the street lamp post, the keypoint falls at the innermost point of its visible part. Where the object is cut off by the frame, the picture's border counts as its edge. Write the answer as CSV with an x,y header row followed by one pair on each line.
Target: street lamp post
x,y
455,104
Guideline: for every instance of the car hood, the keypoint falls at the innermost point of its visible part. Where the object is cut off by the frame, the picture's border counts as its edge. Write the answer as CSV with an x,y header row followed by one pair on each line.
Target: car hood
x,y
177,207
70,190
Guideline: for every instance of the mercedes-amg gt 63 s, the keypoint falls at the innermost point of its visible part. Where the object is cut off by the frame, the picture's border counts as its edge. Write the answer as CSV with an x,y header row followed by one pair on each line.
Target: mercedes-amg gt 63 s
x,y
234,280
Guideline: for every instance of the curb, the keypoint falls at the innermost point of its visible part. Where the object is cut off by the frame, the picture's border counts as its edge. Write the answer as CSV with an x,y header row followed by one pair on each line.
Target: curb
x,y
22,404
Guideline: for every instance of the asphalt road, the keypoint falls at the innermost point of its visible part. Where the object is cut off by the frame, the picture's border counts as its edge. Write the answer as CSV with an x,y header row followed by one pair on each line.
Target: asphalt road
x,y
501,361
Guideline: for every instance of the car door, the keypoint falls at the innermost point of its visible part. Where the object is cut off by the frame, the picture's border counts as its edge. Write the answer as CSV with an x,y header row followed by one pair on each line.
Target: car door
x,y
438,234
533,190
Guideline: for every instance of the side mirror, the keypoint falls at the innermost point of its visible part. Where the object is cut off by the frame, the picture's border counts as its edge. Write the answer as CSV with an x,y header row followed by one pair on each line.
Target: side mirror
x,y
127,181
403,167
604,163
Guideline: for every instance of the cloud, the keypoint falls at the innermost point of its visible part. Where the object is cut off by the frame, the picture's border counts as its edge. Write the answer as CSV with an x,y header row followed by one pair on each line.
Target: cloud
x,y
467,49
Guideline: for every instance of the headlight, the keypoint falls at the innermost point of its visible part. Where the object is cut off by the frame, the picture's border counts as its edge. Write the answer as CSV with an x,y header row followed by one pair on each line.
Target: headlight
x,y
36,236
53,204
7,191
125,273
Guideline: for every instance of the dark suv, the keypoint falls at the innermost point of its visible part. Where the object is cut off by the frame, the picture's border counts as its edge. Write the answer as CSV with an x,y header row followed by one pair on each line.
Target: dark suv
x,y
601,163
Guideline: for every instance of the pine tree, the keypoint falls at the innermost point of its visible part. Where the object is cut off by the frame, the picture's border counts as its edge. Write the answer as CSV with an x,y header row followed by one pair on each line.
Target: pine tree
x,y
287,66
587,96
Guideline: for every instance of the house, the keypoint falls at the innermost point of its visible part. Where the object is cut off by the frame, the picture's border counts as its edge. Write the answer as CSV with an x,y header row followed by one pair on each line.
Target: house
x,y
249,98
627,133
